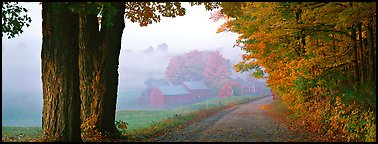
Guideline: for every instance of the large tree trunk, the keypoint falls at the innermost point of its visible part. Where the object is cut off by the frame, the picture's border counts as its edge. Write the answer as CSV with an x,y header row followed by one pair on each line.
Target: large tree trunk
x,y
360,45
370,39
357,70
98,68
60,77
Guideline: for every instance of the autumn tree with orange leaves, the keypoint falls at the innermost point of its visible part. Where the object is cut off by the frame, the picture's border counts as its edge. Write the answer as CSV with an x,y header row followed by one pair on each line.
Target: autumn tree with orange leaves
x,y
319,57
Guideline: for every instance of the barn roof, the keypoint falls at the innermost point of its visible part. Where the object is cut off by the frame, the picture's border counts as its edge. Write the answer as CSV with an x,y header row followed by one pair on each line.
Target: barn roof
x,y
172,90
195,85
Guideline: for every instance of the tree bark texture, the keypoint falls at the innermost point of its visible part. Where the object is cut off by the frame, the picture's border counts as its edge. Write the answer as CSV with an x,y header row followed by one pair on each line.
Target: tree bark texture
x,y
371,48
98,67
362,61
60,75
357,70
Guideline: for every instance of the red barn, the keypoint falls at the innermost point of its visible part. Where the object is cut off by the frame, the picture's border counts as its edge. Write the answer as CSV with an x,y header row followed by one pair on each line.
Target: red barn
x,y
169,96
151,84
248,88
252,87
198,90
174,96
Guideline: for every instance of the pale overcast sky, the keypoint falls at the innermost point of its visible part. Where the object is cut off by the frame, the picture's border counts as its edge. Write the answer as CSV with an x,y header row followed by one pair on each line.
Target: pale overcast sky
x,y
21,56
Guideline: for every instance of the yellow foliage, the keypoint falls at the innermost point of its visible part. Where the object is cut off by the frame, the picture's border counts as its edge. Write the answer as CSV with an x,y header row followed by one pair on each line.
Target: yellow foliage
x,y
300,45
89,131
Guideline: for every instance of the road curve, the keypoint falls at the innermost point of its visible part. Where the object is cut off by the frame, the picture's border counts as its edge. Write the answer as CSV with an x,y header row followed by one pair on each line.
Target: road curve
x,y
244,123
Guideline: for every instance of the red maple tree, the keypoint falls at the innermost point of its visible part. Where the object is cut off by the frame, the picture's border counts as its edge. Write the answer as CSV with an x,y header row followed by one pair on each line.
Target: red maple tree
x,y
209,66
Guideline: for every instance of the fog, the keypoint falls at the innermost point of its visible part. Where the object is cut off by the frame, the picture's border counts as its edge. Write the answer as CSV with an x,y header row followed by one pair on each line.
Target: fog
x,y
145,53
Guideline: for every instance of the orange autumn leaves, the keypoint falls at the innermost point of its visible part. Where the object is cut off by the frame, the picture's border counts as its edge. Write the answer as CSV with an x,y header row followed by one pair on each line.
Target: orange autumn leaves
x,y
312,52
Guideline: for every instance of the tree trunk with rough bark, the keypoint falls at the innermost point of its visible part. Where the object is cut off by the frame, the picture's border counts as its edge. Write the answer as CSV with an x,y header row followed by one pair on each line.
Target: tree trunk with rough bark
x,y
362,61
98,68
370,39
357,70
60,75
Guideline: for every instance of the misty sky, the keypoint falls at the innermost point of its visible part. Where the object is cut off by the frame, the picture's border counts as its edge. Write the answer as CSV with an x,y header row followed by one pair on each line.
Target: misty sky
x,y
141,56
145,53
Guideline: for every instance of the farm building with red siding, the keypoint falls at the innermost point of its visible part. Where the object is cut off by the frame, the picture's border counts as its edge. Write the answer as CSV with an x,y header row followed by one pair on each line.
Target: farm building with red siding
x,y
248,88
174,96
151,83
198,90
252,87
168,96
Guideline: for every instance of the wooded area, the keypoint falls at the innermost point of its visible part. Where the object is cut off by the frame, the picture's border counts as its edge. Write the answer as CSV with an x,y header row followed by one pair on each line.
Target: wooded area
x,y
320,59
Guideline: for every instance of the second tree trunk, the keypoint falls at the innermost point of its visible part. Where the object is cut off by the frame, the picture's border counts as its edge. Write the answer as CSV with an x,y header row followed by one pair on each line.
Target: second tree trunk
x,y
98,68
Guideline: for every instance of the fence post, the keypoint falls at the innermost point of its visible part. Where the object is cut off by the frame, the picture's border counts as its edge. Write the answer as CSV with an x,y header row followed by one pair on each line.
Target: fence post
x,y
207,103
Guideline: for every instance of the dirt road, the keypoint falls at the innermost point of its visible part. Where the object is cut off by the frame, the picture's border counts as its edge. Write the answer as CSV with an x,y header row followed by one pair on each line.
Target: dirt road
x,y
244,123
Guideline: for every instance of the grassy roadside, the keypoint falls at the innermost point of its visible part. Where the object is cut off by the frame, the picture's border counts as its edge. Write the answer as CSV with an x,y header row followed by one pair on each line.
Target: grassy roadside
x,y
144,125
192,115
138,119
279,112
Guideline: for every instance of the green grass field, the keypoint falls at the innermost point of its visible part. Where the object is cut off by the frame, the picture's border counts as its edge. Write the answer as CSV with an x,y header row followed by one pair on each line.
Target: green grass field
x,y
21,134
136,119
142,118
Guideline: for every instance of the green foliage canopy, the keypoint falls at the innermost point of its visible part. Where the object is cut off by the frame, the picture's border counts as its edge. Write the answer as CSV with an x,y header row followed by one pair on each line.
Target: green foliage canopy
x,y
14,19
